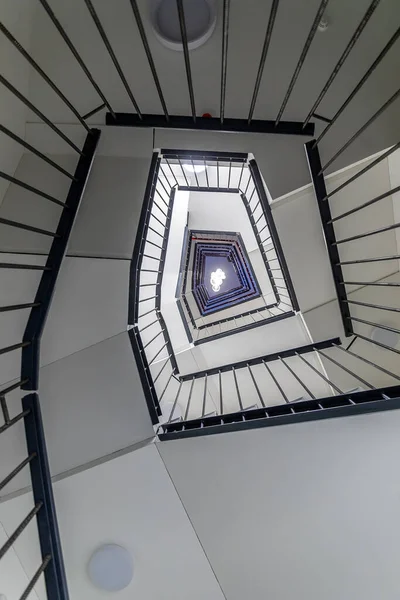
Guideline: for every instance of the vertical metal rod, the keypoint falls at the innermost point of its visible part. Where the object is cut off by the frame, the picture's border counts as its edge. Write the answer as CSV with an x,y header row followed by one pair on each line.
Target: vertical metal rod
x,y
237,389
338,364
206,172
166,385
390,308
303,385
36,576
359,85
221,403
276,382
93,112
364,170
217,173
39,70
113,57
146,46
255,385
368,233
267,40
384,346
37,112
385,327
35,151
74,51
362,129
224,59
4,410
15,535
335,387
368,362
32,189
161,181
203,410
182,24
365,204
189,399
194,171
302,58
175,402
241,174
229,174
17,469
172,173
183,171
353,40
159,352
162,369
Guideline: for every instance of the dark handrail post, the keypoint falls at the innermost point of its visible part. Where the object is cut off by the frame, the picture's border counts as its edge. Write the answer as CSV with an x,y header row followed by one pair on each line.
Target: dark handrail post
x,y
37,318
314,163
50,544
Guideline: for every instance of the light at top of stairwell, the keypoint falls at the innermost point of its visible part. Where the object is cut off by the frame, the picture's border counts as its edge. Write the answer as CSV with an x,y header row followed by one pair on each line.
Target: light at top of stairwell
x,y
110,568
194,168
216,279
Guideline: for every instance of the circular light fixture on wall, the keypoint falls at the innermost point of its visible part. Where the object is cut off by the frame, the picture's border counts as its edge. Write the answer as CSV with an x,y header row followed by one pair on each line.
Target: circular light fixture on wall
x,y
385,337
110,568
200,20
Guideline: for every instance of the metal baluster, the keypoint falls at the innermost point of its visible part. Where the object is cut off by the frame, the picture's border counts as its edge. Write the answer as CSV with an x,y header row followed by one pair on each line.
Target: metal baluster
x,y
276,382
255,385
203,411
368,362
302,58
189,399
166,385
146,46
224,59
175,402
339,64
15,535
267,40
182,25
237,389
303,385
221,404
335,387
338,364
70,45
113,57
158,353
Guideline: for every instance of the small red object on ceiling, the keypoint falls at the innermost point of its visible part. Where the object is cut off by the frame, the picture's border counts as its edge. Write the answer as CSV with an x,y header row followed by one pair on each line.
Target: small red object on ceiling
x,y
207,116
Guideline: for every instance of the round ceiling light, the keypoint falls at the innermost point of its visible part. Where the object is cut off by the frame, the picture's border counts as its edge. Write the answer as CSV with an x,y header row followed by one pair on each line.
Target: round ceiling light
x,y
110,568
200,20
385,337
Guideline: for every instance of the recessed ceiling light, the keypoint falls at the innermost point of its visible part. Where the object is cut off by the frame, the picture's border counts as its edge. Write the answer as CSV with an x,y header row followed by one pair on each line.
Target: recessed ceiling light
x,y
200,21
110,568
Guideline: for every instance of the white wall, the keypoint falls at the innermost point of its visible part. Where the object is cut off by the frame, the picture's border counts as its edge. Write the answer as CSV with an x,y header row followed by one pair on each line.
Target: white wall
x,y
129,501
307,510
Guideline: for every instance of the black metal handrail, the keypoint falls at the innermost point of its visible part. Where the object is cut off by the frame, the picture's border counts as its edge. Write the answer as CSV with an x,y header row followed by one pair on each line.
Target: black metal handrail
x,y
276,406
52,565
248,181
